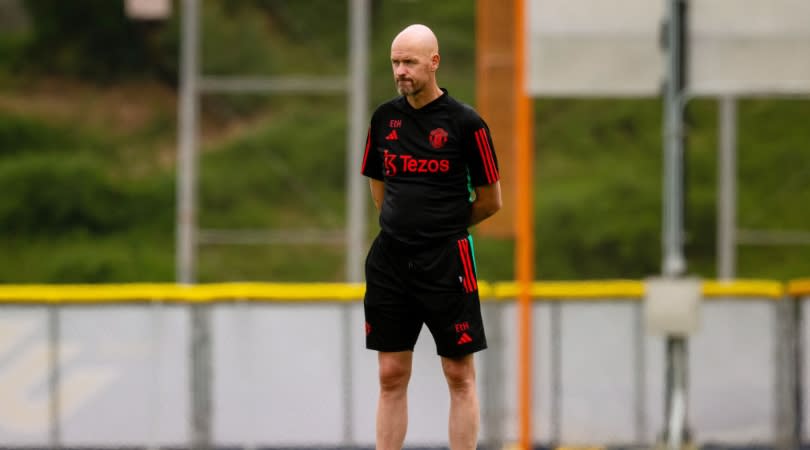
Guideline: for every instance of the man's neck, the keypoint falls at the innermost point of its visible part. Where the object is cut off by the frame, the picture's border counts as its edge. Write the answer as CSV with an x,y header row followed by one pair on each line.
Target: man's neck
x,y
424,97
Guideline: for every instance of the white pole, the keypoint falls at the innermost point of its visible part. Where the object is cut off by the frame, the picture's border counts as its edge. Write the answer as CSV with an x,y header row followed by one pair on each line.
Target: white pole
x,y
356,193
55,379
674,263
200,346
187,157
727,190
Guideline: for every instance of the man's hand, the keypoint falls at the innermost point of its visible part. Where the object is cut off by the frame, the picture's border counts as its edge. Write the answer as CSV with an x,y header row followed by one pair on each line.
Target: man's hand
x,y
487,202
377,192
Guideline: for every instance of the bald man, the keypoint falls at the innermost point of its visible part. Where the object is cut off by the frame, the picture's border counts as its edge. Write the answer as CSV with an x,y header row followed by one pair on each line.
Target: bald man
x,y
433,174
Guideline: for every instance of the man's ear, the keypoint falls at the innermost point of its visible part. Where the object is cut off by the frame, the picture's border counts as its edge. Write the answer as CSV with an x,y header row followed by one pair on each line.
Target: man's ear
x,y
434,62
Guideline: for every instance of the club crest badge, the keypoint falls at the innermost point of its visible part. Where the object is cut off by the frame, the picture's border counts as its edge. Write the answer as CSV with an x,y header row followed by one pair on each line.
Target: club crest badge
x,y
438,138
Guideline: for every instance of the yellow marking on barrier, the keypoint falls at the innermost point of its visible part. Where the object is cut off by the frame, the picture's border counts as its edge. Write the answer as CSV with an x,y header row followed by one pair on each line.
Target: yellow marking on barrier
x,y
575,290
744,288
78,293
349,292
307,291
799,288
486,291
197,293
589,289
634,290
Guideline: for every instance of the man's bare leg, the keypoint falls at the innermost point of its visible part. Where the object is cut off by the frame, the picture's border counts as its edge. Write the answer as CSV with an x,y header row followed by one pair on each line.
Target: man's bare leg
x,y
464,409
392,407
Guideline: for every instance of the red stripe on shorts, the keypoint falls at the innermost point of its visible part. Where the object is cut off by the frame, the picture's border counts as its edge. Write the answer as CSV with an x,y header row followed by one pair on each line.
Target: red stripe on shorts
x,y
469,277
472,267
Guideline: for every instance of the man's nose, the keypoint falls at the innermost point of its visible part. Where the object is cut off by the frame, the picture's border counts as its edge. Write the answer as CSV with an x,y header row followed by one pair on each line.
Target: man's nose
x,y
399,70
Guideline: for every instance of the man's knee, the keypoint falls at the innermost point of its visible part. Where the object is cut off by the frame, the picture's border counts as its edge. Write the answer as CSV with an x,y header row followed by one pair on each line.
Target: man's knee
x,y
459,372
395,371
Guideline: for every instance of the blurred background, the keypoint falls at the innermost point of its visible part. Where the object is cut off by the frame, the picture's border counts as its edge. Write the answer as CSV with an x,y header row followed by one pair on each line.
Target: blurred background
x,y
89,137
89,103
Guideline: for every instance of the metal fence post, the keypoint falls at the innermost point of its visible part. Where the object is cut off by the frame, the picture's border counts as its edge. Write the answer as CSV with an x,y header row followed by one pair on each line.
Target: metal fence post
x,y
640,369
54,378
492,361
788,374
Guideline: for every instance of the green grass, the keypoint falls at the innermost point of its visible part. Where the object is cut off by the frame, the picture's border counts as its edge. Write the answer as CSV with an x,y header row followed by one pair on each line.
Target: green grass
x,y
299,263
80,257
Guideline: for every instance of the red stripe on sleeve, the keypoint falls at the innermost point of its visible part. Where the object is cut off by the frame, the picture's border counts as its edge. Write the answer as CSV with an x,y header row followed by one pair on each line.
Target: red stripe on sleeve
x,y
481,152
365,154
490,159
495,174
483,149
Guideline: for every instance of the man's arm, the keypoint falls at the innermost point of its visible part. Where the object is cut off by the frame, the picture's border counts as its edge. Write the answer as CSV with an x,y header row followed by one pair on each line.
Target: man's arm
x,y
377,192
487,202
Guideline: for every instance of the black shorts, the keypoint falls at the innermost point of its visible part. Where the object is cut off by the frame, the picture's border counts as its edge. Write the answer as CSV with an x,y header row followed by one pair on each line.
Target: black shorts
x,y
436,285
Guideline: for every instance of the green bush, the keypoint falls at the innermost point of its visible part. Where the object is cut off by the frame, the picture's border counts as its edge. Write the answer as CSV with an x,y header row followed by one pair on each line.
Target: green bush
x,y
82,258
95,39
12,46
274,177
22,134
47,196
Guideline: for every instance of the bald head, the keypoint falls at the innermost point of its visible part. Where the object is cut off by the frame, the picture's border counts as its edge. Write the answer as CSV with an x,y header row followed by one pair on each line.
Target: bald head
x,y
415,60
418,39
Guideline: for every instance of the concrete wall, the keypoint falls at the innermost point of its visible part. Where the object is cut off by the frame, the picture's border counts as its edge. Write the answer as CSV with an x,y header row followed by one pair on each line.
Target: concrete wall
x,y
278,375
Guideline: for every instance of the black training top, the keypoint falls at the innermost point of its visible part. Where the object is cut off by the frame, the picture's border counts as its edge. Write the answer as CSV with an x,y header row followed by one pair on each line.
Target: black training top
x,y
430,159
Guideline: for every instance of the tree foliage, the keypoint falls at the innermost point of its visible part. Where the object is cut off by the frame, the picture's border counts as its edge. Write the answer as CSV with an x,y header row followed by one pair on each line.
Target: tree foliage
x,y
95,39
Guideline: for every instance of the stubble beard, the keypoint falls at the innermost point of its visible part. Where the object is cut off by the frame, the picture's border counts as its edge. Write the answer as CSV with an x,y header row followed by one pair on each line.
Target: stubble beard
x,y
408,91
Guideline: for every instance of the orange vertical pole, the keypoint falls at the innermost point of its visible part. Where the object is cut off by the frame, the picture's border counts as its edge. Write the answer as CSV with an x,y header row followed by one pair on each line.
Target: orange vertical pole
x,y
524,253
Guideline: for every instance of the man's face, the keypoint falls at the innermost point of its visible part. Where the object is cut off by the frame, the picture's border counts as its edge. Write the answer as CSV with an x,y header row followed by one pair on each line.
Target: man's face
x,y
412,69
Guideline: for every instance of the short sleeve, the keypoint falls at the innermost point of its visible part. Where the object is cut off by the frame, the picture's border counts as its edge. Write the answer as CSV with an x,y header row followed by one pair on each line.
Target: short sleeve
x,y
372,166
480,153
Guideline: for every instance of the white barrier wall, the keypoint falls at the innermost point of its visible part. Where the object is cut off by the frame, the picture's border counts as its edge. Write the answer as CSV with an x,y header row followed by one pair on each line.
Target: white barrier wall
x,y
123,372
277,377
